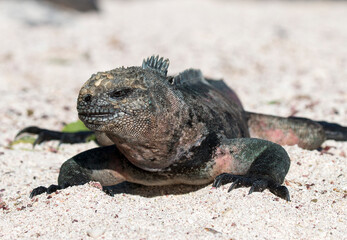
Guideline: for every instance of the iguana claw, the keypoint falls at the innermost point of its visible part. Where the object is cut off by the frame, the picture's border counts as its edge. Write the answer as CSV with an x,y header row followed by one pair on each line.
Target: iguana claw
x,y
38,191
52,188
257,184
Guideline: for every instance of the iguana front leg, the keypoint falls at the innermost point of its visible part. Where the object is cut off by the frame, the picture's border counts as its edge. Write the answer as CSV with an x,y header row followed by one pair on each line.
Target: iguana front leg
x,y
106,165
251,162
103,164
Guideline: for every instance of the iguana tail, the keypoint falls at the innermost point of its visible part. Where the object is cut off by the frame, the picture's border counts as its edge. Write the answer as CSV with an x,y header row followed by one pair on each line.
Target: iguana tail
x,y
304,132
334,131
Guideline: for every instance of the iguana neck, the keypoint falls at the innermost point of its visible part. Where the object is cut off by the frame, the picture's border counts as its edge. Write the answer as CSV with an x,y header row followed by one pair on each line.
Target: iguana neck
x,y
170,139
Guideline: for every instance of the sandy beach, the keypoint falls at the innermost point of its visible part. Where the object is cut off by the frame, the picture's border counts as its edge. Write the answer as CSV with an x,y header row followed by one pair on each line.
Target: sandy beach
x,y
281,57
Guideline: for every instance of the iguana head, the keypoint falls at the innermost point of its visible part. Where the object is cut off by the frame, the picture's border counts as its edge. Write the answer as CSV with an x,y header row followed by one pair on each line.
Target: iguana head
x,y
124,101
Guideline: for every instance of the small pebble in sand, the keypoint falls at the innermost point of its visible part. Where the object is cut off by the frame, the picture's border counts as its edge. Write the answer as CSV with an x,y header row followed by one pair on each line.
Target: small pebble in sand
x,y
95,232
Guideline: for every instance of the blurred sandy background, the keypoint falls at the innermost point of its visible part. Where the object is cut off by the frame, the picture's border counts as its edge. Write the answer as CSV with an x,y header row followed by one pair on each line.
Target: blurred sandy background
x,y
282,57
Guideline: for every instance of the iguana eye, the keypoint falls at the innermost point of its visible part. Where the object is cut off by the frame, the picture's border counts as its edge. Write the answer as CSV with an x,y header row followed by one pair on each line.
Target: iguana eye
x,y
120,93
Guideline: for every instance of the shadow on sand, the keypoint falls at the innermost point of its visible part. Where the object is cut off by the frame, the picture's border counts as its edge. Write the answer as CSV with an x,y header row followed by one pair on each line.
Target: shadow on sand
x,y
153,191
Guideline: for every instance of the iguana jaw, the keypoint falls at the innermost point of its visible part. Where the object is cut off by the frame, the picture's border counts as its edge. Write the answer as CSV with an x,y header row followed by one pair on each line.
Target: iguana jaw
x,y
98,118
97,115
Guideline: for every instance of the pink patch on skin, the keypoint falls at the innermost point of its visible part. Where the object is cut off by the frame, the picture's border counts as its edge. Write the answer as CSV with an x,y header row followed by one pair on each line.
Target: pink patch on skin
x,y
225,163
283,138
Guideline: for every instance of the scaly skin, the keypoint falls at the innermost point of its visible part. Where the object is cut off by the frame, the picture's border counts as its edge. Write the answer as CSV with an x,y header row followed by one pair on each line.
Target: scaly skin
x,y
183,129
155,124
305,133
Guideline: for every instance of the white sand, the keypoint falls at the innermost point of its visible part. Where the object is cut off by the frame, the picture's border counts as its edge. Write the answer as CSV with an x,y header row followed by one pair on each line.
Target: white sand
x,y
290,54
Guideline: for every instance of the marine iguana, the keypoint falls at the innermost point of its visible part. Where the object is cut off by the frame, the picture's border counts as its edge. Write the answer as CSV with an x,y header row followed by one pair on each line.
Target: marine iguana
x,y
186,129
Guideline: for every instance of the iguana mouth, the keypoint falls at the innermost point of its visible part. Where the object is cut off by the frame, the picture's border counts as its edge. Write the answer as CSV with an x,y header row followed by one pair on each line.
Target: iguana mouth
x,y
96,111
97,115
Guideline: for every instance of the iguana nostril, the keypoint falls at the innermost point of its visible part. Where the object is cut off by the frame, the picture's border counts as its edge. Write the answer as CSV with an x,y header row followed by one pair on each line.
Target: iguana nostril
x,y
87,98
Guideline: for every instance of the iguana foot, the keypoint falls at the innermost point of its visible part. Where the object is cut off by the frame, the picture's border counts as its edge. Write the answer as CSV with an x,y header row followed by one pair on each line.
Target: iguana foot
x,y
257,184
44,135
108,191
52,188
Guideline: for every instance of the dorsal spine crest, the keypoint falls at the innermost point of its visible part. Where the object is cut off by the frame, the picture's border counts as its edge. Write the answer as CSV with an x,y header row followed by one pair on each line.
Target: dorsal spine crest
x,y
158,64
